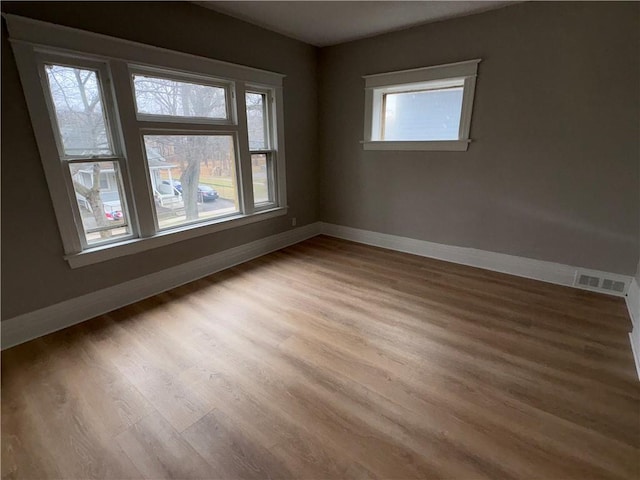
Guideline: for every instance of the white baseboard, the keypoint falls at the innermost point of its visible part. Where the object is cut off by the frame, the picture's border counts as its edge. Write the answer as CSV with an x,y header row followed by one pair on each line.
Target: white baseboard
x,y
633,304
40,322
557,273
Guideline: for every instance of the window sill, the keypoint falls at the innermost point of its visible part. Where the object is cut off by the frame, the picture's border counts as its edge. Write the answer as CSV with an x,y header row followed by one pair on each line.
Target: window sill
x,y
129,247
436,146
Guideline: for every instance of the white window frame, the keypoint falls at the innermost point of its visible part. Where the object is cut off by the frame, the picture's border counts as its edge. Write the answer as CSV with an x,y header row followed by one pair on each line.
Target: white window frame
x,y
120,59
271,150
378,85
179,132
43,57
189,78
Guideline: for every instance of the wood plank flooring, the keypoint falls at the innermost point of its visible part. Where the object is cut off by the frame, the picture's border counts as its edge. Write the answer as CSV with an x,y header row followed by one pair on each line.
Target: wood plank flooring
x,y
332,360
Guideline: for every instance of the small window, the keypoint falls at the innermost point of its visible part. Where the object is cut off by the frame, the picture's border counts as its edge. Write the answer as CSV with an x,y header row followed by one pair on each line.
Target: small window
x,y
421,109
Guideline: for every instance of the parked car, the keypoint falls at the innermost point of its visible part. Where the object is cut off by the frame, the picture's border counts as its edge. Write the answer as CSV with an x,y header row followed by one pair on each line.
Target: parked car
x,y
205,192
177,186
112,206
115,215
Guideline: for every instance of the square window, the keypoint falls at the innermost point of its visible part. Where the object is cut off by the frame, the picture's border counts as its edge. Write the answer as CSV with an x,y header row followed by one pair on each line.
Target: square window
x,y
193,178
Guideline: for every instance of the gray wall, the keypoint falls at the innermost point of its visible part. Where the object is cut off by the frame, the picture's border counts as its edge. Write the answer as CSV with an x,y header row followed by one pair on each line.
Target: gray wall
x,y
552,173
33,271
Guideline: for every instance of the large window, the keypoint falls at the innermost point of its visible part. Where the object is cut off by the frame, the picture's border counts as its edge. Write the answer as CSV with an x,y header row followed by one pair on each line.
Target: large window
x,y
421,109
150,148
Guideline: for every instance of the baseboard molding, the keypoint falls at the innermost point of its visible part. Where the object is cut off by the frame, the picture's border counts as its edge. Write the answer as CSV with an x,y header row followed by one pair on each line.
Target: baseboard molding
x,y
633,304
40,322
557,273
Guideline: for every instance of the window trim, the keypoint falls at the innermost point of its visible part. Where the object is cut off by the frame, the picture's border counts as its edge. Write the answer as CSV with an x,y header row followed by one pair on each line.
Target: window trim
x,y
42,57
378,85
28,37
163,238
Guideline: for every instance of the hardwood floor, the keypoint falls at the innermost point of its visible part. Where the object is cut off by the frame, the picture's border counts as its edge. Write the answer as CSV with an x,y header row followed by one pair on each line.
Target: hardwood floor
x,y
331,359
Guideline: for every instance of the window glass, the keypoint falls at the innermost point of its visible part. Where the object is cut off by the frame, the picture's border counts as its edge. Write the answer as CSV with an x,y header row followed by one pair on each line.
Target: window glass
x,y
77,101
256,121
422,115
97,186
164,96
193,177
261,178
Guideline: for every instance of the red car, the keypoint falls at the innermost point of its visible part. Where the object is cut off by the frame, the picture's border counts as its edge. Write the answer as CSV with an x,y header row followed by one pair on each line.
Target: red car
x,y
117,215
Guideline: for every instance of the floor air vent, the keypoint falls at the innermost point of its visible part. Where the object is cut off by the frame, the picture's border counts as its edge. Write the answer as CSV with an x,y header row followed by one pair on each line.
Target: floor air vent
x,y
588,281
596,283
613,285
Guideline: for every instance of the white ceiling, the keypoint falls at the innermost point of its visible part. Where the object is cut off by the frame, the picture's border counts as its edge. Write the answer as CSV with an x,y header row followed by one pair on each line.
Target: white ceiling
x,y
332,22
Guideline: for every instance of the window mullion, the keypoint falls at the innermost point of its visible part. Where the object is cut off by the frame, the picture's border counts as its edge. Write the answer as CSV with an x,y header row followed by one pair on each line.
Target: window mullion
x,y
184,128
244,160
137,169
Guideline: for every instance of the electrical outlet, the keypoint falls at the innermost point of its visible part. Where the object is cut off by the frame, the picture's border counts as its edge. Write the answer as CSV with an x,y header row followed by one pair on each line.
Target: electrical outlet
x,y
293,222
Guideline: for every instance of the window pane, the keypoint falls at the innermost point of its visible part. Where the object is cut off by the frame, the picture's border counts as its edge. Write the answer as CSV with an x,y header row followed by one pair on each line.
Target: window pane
x,y
193,177
77,100
97,186
262,177
256,121
423,115
163,96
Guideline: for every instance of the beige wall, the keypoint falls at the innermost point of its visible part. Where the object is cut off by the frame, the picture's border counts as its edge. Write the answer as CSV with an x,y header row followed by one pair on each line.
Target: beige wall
x,y
33,271
552,173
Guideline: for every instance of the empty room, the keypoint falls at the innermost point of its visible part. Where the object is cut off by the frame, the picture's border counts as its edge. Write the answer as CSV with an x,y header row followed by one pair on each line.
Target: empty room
x,y
320,240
